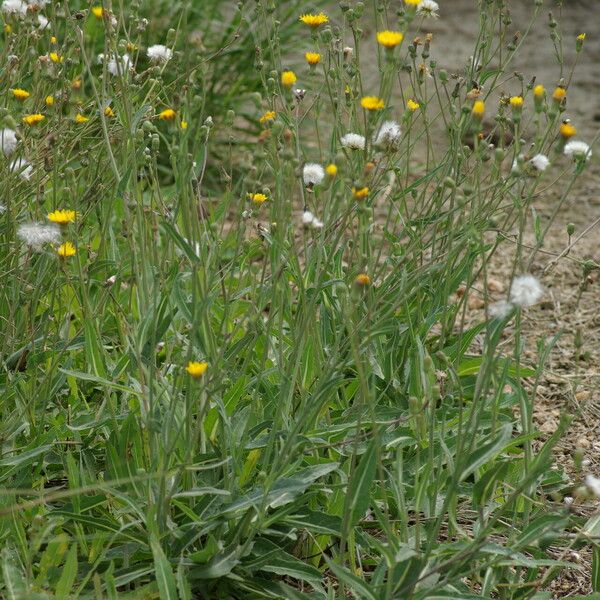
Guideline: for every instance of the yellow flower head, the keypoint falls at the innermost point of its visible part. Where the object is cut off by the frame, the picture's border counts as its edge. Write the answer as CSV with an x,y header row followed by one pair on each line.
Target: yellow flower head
x,y
581,37
80,119
49,100
559,94
53,40
372,103
412,2
288,78
63,216
183,124
360,193
362,279
55,57
65,250
312,58
268,117
539,91
196,369
76,84
389,39
33,119
166,115
109,112
98,12
567,130
331,170
516,101
257,197
478,108
313,20
20,94
7,28
412,105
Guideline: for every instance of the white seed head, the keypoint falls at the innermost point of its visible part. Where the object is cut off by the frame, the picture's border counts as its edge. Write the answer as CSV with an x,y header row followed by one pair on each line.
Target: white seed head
x,y
525,290
14,7
389,135
540,162
8,141
501,309
159,53
578,149
307,217
42,21
119,64
593,484
22,167
313,174
354,141
428,8
36,235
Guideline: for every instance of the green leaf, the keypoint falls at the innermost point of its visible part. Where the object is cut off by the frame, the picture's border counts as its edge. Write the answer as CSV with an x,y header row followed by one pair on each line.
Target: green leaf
x,y
359,490
165,579
68,575
487,452
359,588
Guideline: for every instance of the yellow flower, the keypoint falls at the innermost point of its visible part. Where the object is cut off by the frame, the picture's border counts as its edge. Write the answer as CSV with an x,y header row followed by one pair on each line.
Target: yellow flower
x,y
389,39
312,58
55,57
65,250
7,28
76,84
331,170
288,78
80,119
581,37
109,112
516,101
98,12
49,100
372,103
33,119
559,94
567,130
196,369
183,125
63,216
360,193
20,94
362,279
478,108
53,40
166,115
268,116
412,105
313,20
539,91
257,197
412,2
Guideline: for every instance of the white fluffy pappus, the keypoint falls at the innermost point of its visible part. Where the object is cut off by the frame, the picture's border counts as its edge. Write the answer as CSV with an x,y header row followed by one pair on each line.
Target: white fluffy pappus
x,y
159,53
354,141
313,174
428,8
525,290
593,484
8,141
120,64
36,235
309,220
540,162
501,309
389,135
14,7
578,149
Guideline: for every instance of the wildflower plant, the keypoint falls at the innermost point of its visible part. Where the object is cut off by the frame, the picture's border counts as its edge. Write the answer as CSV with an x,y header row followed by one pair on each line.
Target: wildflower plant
x,y
237,360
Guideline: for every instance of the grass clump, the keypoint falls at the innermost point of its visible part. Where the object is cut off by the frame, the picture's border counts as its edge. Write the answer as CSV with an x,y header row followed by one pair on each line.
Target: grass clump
x,y
238,252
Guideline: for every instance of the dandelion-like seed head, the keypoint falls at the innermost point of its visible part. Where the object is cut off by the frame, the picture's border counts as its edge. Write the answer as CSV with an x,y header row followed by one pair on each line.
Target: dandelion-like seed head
x,y
593,485
428,8
8,141
372,103
389,135
577,150
196,369
353,141
119,65
389,39
37,235
159,53
314,20
525,290
313,174
540,162
14,7
501,309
